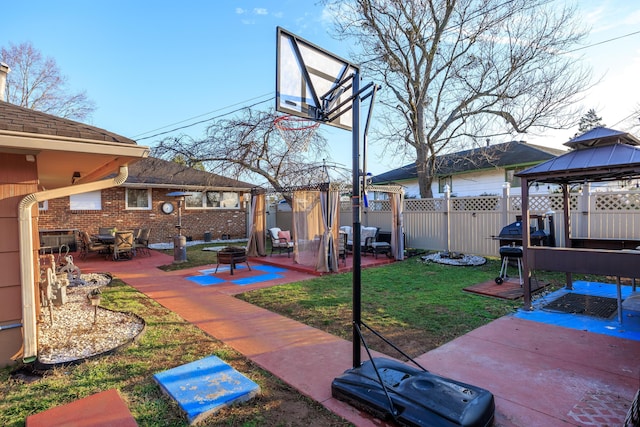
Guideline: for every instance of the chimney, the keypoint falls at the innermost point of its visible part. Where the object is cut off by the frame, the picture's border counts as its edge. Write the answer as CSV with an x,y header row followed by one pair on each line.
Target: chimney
x,y
4,70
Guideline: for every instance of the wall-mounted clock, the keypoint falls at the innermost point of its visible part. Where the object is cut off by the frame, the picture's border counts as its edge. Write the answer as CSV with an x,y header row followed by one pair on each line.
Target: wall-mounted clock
x,y
167,207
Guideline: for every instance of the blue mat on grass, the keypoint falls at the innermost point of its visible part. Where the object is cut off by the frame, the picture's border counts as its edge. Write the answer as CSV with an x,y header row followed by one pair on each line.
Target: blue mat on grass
x,y
256,279
269,269
206,280
205,386
628,329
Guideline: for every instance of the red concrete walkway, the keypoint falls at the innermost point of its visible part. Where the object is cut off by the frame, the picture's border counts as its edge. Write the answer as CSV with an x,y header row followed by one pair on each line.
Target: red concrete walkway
x,y
541,375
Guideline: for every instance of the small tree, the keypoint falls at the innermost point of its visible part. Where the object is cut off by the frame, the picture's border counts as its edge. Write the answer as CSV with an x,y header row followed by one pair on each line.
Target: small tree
x,y
35,82
589,121
249,147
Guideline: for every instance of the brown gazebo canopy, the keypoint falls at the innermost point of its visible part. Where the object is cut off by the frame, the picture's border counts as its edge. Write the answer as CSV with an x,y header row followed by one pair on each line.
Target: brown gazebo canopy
x,y
599,155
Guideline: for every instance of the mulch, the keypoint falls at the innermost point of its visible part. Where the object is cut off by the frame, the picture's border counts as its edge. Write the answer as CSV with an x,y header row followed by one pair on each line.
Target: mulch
x,y
510,290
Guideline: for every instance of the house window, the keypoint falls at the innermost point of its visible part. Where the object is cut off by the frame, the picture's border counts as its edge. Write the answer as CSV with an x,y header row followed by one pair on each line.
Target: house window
x,y
213,200
445,180
91,201
230,200
138,198
43,205
511,178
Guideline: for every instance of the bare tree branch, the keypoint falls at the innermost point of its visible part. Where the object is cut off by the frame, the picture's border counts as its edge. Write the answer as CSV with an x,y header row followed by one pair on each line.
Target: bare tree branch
x,y
249,147
36,83
464,69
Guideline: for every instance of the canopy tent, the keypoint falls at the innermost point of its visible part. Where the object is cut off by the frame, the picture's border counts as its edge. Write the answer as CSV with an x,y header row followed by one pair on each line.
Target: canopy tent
x,y
316,220
599,155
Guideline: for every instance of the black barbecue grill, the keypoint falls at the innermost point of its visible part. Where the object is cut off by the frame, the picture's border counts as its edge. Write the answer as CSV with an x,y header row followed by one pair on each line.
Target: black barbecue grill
x,y
510,238
511,235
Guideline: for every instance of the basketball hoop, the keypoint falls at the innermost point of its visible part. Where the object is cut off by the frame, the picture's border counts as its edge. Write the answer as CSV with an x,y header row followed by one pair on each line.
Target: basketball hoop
x,y
296,130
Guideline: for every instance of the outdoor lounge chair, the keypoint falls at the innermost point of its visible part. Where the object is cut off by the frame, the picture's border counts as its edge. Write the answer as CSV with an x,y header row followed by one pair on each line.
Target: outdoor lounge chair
x,y
141,241
280,240
88,246
123,247
342,247
368,235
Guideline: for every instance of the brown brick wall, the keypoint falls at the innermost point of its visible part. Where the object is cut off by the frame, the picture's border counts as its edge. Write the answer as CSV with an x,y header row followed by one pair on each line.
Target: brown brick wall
x,y
195,222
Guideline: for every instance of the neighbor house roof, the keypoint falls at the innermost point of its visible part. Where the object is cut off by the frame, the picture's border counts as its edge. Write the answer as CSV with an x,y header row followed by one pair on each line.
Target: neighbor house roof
x,y
155,172
508,154
601,155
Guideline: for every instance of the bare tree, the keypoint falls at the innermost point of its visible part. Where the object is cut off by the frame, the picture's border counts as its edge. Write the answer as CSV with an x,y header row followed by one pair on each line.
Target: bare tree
x,y
36,83
460,71
250,146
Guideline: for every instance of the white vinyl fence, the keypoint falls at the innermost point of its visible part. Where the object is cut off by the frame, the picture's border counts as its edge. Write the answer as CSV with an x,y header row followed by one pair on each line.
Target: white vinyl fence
x,y
470,224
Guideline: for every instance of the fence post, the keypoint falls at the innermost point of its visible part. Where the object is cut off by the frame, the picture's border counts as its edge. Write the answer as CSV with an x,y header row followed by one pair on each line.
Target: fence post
x,y
584,207
447,217
506,203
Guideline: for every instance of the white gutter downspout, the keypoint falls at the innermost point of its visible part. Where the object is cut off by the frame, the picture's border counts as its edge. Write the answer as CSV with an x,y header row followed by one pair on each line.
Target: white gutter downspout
x,y
25,233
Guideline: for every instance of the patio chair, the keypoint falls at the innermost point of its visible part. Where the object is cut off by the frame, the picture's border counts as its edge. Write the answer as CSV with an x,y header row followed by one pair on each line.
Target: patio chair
x,y
368,236
123,245
88,246
141,241
342,247
280,240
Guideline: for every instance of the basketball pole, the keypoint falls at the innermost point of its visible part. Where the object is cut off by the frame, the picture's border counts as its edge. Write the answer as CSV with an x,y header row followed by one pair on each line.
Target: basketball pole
x,y
355,208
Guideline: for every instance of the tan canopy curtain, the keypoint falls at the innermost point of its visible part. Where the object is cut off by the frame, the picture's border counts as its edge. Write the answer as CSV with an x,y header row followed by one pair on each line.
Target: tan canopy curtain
x,y
397,225
328,253
257,218
308,227
396,200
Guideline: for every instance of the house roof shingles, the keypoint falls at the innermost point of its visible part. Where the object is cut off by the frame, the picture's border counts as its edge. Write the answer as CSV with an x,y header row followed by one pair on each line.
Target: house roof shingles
x,y
160,172
499,155
18,119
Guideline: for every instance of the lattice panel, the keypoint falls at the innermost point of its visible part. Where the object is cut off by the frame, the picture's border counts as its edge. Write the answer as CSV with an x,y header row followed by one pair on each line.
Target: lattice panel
x,y
618,202
423,204
544,203
379,205
475,204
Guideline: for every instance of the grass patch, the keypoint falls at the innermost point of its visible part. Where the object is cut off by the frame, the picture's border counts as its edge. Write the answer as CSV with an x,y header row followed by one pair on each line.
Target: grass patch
x,y
418,306
169,341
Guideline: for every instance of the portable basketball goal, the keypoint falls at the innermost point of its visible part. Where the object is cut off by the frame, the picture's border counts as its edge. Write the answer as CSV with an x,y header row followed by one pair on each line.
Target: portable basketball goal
x,y
316,86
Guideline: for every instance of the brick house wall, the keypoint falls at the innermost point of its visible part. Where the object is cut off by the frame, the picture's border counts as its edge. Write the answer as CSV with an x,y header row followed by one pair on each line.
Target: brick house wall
x,y
195,222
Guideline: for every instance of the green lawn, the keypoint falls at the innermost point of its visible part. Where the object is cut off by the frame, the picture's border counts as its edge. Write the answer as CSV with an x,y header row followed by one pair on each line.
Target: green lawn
x,y
168,341
418,304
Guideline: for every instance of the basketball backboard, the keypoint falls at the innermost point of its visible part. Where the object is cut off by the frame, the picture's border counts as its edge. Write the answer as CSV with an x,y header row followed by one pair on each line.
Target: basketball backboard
x,y
313,83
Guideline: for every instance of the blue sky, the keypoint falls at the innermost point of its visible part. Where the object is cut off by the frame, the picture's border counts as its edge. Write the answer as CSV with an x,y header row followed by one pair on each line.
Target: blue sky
x,y
152,64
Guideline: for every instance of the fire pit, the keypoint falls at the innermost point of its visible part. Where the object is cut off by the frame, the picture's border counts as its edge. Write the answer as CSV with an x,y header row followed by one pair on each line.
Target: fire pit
x,y
232,255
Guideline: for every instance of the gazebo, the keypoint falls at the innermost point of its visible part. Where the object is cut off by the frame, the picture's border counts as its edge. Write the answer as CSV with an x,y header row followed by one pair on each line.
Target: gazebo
x,y
599,155
316,223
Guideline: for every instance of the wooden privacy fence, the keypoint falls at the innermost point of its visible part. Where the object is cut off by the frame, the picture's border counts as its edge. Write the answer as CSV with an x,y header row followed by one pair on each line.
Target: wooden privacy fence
x,y
469,224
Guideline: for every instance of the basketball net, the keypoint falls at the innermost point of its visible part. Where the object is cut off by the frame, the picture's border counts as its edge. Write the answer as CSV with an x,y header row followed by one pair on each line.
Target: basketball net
x,y
296,131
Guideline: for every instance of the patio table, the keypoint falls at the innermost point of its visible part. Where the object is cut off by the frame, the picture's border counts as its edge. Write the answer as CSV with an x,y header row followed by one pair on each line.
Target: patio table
x,y
107,239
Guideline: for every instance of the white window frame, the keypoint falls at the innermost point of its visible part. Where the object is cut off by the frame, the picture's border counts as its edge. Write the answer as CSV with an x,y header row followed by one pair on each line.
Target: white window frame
x,y
222,196
90,201
137,208
444,181
43,205
509,176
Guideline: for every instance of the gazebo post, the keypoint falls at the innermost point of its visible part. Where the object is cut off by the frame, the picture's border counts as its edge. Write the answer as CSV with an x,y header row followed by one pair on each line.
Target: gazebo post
x,y
566,200
526,242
